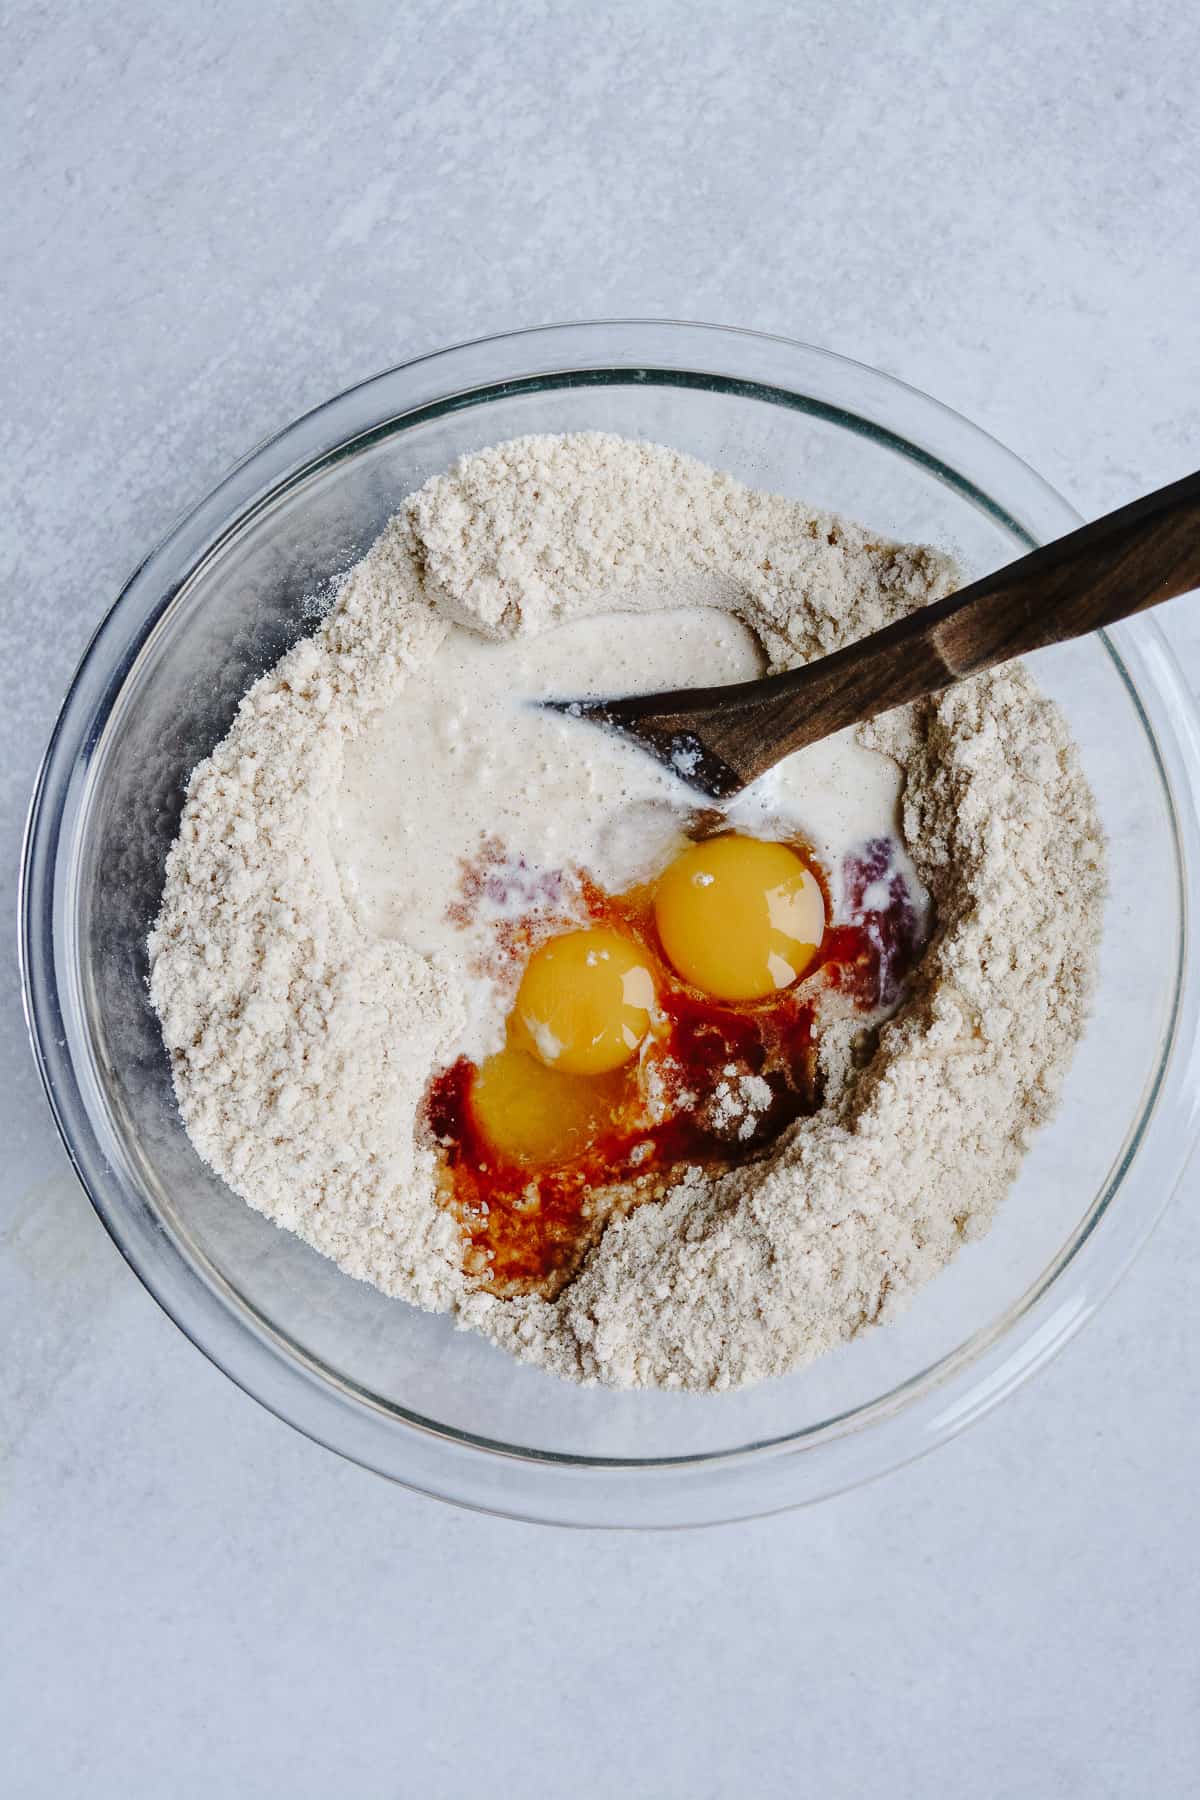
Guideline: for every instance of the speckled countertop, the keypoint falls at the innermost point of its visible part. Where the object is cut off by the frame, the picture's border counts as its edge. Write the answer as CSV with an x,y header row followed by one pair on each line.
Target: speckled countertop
x,y
215,216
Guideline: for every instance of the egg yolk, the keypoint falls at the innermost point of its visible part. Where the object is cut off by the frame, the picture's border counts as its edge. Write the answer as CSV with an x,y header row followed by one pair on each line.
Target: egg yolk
x,y
584,1003
532,1114
739,917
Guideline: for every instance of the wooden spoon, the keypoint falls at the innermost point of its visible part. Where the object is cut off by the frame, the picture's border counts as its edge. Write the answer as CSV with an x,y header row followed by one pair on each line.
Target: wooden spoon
x,y
720,738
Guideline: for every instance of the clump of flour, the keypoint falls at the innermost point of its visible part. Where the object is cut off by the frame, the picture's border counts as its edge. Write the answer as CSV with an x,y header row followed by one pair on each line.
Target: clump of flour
x,y
301,1045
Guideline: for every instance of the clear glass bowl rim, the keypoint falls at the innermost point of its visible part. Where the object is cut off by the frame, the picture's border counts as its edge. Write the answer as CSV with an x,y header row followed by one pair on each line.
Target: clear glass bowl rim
x,y
417,1452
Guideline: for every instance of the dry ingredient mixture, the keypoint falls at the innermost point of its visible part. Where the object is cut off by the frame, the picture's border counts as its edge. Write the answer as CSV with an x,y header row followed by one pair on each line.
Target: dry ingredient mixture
x,y
341,927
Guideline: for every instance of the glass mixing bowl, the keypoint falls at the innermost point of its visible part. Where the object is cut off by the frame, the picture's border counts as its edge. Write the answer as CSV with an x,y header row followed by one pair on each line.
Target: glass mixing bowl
x,y
398,1390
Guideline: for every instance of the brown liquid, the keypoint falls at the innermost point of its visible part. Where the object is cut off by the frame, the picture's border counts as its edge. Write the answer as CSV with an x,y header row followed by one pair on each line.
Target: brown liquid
x,y
526,1229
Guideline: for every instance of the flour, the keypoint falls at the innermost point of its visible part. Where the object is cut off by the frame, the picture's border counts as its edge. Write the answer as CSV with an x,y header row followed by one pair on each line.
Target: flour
x,y
302,1031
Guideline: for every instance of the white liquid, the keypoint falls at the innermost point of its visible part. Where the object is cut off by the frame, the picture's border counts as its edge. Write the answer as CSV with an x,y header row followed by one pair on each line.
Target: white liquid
x,y
463,757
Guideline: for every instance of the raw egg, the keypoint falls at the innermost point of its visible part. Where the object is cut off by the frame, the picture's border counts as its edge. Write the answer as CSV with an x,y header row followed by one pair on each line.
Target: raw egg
x,y
739,917
585,1001
529,1113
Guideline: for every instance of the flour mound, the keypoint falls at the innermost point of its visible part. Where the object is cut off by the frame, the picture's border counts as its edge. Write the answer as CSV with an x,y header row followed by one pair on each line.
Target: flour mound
x,y
301,1047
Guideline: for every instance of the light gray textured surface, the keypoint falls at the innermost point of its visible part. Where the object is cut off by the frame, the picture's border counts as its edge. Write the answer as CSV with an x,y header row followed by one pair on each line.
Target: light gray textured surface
x,y
213,217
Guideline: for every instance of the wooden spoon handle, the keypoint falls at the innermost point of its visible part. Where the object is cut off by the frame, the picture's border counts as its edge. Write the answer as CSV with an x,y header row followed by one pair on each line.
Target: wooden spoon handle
x,y
1133,558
